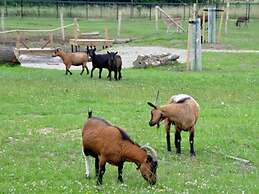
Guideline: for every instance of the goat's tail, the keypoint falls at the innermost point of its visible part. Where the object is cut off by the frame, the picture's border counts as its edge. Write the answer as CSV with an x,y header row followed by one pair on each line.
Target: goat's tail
x,y
90,113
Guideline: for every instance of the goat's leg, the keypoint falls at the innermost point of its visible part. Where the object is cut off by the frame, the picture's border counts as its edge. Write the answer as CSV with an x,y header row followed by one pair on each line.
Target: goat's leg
x,y
177,141
120,167
101,171
100,73
86,69
120,74
191,140
87,165
96,166
168,141
92,72
69,71
66,71
109,74
83,68
115,75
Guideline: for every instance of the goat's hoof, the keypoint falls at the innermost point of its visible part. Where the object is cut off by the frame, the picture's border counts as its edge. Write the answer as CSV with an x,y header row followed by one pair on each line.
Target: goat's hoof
x,y
87,176
193,155
120,180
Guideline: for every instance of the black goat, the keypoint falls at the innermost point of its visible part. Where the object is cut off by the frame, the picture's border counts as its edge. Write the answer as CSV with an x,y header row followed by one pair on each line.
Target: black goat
x,y
241,19
99,61
115,64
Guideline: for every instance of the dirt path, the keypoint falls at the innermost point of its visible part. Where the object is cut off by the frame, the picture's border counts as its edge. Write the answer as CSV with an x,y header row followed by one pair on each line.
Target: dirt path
x,y
128,54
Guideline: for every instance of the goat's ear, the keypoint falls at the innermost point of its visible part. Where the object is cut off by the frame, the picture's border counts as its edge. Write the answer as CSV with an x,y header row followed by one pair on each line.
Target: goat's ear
x,y
94,49
152,105
108,52
149,158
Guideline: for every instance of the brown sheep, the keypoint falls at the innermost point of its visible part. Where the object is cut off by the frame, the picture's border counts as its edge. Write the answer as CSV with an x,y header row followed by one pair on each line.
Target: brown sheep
x,y
181,111
108,143
76,59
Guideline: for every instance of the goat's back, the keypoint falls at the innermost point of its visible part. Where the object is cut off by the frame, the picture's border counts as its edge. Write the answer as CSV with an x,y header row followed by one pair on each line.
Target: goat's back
x,y
100,137
79,57
100,60
187,109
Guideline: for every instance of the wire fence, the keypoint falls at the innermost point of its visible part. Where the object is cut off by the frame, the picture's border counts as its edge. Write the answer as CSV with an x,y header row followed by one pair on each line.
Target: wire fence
x,y
110,10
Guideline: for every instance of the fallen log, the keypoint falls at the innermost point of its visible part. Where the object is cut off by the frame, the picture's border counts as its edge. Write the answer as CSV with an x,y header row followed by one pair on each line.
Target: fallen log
x,y
143,61
7,55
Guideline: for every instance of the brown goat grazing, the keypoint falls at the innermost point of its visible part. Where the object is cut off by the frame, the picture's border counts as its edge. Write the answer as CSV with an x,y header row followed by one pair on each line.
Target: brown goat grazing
x,y
76,59
181,111
108,143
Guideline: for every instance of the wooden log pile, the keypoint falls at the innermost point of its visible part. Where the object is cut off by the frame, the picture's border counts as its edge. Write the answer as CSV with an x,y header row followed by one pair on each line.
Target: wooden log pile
x,y
7,55
144,61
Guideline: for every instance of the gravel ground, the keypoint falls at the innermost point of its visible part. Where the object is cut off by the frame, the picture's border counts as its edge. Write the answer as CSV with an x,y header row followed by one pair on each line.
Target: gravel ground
x,y
128,54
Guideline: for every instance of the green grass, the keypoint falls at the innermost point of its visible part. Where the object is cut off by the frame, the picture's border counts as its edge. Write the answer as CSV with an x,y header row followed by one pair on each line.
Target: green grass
x,y
32,99
141,29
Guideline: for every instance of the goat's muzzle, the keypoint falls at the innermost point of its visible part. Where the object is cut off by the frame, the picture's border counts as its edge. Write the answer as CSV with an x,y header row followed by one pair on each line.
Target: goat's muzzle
x,y
151,124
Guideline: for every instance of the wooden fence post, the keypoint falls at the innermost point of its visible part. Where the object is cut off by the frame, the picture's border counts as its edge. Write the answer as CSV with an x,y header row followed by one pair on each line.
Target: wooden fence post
x,y
2,20
203,26
18,39
119,24
156,17
220,26
226,19
62,24
51,39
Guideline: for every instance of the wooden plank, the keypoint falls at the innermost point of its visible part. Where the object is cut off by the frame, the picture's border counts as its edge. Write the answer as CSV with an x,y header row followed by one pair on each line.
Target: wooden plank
x,y
171,19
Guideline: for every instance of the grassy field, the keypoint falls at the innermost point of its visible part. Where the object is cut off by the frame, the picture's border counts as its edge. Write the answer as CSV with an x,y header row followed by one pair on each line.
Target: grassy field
x,y
43,111
141,29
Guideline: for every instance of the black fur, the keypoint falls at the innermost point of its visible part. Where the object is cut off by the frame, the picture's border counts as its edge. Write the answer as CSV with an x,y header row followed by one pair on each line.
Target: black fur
x,y
103,120
99,61
124,135
183,100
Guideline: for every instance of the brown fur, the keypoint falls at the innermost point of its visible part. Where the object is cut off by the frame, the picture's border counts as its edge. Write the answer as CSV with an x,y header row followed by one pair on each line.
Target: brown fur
x,y
76,59
111,144
183,115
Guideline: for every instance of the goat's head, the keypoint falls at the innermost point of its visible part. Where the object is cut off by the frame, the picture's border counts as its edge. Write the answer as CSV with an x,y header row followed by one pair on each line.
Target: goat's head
x,y
149,166
90,51
156,115
57,52
112,56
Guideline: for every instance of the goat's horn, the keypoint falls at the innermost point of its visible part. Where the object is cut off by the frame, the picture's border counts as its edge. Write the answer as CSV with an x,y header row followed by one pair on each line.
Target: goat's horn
x,y
151,150
157,98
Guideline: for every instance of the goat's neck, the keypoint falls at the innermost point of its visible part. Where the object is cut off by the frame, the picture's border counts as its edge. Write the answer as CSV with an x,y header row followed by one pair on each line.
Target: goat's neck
x,y
62,55
133,153
169,111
